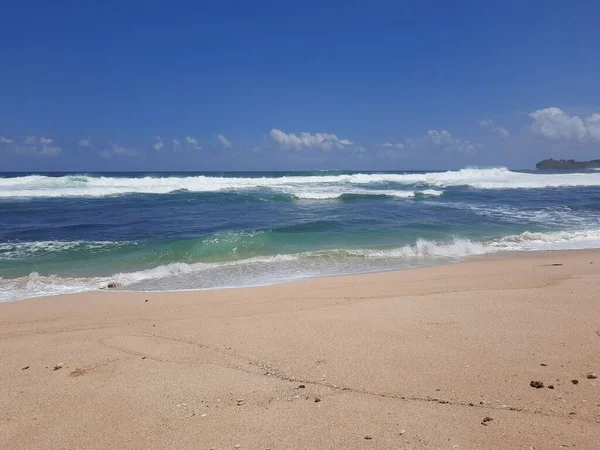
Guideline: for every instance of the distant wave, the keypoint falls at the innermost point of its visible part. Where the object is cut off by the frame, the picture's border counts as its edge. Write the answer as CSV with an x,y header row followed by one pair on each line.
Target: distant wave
x,y
325,185
269,269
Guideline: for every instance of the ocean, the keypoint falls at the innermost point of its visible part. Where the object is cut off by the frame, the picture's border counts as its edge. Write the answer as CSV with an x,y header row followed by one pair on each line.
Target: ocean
x,y
73,232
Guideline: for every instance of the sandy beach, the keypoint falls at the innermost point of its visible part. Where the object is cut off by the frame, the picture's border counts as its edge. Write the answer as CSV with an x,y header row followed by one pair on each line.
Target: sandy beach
x,y
438,357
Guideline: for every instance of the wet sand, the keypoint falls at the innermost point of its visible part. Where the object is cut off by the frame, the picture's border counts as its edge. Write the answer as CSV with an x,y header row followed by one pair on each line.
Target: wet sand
x,y
411,359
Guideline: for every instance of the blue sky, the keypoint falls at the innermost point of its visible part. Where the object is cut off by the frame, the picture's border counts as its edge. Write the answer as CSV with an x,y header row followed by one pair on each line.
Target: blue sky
x,y
235,85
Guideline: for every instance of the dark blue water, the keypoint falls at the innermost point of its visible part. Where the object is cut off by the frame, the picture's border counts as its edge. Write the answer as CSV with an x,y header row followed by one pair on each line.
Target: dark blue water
x,y
73,232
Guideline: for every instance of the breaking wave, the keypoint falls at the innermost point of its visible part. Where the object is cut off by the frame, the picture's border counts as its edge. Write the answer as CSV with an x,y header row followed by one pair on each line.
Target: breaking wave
x,y
326,185
278,268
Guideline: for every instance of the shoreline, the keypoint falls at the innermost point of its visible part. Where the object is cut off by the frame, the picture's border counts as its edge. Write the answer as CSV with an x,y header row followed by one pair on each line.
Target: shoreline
x,y
404,359
447,262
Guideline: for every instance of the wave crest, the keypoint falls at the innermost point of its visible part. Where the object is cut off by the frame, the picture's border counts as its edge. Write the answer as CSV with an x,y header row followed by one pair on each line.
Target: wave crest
x,y
297,185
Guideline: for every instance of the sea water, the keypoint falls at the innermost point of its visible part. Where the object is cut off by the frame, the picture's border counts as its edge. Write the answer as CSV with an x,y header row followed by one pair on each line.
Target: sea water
x,y
68,232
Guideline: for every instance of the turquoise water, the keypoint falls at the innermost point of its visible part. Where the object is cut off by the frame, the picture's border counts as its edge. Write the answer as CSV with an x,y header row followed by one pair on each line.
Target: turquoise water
x,y
74,232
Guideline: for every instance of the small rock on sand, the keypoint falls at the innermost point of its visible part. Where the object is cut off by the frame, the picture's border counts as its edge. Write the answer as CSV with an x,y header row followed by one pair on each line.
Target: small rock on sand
x,y
551,386
575,381
589,376
536,384
368,438
58,366
487,419
25,368
317,400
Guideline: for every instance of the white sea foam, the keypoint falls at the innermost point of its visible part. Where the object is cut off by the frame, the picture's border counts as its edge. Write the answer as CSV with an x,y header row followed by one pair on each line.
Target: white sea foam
x,y
324,194
559,240
78,186
36,285
424,249
560,216
271,269
20,250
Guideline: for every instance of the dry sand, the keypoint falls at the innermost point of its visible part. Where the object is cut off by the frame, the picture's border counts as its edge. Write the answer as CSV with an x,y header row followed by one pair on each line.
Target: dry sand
x,y
409,359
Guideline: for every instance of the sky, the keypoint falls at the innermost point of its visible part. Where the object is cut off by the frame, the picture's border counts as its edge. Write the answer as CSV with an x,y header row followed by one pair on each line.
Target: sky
x,y
277,85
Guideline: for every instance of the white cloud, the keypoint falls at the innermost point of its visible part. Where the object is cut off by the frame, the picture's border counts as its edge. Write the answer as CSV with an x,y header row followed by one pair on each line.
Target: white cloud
x,y
224,141
192,143
50,151
501,131
5,140
159,144
322,141
443,140
398,145
554,123
117,150
85,143
176,144
439,138
38,145
593,126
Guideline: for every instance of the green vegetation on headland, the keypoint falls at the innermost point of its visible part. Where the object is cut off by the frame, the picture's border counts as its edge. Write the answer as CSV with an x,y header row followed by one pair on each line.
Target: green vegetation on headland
x,y
567,164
